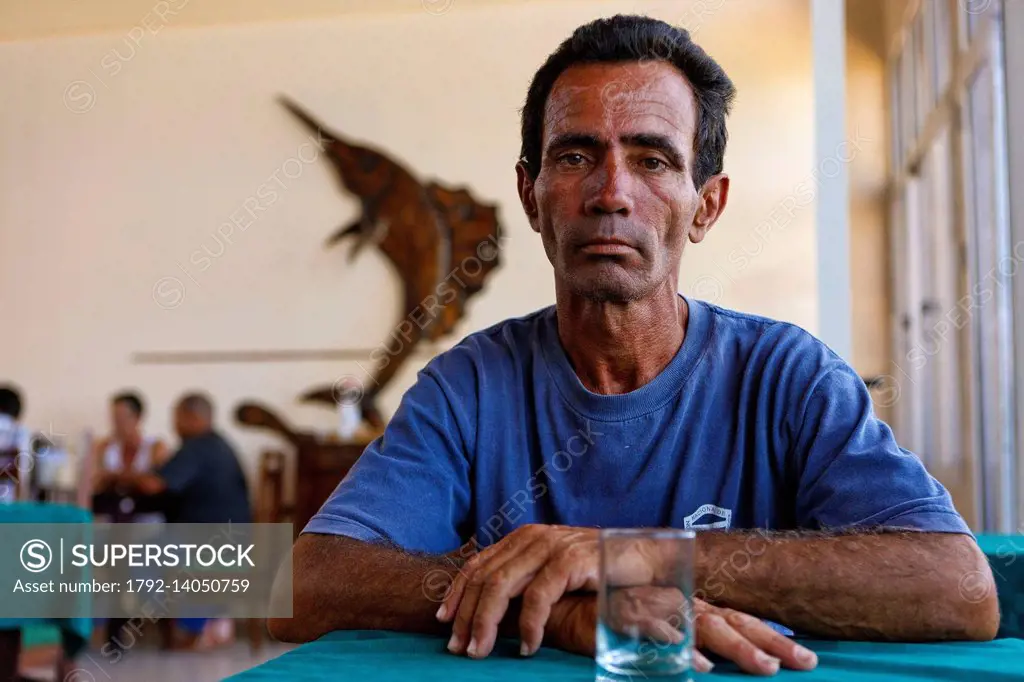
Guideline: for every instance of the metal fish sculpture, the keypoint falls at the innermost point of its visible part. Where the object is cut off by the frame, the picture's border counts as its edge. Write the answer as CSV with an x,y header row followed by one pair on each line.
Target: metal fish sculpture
x,y
442,242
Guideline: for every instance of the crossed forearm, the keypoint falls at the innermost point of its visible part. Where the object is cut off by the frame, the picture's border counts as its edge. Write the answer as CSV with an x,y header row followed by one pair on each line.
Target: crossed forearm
x,y
903,586
345,584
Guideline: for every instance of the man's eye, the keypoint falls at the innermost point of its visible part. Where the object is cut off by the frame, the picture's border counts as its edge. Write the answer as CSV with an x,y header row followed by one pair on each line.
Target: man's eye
x,y
653,163
572,159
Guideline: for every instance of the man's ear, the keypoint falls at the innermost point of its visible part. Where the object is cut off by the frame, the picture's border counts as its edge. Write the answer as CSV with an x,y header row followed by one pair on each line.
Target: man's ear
x,y
526,197
713,198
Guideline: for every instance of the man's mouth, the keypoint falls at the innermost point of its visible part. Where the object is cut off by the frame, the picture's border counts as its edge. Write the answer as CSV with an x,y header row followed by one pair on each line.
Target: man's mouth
x,y
607,247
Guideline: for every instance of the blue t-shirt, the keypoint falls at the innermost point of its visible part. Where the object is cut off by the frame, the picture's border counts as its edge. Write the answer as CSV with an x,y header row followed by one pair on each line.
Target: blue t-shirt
x,y
753,424
205,482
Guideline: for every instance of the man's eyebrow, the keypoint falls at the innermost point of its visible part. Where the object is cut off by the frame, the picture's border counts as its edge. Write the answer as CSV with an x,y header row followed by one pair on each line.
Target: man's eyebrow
x,y
661,143
573,140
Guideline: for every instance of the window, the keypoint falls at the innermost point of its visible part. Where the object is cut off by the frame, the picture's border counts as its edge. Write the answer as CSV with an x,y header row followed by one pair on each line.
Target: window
x,y
942,28
953,342
908,100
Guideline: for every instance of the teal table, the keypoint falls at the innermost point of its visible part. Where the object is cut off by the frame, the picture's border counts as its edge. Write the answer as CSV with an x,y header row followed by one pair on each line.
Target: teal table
x,y
396,657
36,512
1006,557
391,656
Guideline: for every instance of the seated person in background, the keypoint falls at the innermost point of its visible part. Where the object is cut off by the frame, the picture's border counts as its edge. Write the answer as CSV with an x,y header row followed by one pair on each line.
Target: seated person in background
x,y
203,479
204,483
627,405
126,449
14,439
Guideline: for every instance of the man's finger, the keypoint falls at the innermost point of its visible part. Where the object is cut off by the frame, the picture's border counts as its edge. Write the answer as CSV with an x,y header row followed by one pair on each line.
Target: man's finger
x,y
628,607
450,605
490,609
506,576
484,580
459,641
701,663
791,654
715,634
569,571
491,559
538,599
660,631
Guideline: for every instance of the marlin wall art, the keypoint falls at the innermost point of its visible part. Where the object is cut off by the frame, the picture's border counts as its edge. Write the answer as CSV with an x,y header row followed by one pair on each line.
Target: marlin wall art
x,y
442,242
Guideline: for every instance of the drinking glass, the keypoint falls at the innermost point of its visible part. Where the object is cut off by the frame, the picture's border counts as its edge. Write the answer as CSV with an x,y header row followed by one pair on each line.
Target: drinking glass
x,y
645,602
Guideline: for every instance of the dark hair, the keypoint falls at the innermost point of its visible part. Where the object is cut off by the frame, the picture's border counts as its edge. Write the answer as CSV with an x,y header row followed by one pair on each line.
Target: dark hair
x,y
10,401
197,403
132,400
633,38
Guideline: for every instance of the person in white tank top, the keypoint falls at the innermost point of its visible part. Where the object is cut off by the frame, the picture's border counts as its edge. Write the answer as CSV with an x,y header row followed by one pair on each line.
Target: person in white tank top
x,y
127,449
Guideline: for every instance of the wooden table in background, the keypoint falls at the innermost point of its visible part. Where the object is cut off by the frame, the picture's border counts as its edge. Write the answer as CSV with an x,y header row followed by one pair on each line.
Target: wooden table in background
x,y
321,463
320,467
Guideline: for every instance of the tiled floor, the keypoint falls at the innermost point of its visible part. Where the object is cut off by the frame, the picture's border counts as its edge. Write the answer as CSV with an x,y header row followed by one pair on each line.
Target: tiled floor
x,y
153,665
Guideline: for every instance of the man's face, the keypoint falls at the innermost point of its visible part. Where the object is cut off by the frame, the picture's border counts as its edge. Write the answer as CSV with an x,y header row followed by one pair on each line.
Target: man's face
x,y
184,422
614,201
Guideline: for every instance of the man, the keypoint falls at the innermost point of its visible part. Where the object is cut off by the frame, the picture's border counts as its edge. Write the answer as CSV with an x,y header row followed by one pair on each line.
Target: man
x,y
626,405
203,483
203,479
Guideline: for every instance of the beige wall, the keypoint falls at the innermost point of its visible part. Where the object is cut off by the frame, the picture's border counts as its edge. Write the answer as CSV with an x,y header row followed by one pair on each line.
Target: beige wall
x,y
122,158
47,18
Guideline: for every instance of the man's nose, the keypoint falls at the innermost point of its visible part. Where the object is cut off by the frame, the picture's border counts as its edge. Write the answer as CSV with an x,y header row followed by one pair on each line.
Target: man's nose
x,y
608,190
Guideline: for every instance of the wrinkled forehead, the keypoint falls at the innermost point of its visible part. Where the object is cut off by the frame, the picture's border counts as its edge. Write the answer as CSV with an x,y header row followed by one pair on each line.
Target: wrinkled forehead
x,y
609,100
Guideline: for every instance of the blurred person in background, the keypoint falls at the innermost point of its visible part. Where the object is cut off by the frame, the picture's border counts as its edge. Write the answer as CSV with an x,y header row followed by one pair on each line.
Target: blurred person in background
x,y
14,439
127,448
202,482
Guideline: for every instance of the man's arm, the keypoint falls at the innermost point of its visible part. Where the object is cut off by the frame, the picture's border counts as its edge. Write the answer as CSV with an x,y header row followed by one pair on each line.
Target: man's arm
x,y
340,583
373,557
159,454
141,482
344,584
872,579
906,586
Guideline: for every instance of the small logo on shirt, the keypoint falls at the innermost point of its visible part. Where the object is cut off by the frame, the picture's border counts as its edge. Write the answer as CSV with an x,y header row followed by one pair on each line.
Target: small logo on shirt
x,y
709,516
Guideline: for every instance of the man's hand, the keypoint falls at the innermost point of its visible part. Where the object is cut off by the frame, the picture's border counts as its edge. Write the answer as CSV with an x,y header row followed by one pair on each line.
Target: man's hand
x,y
561,557
747,641
735,636
572,627
545,563
540,563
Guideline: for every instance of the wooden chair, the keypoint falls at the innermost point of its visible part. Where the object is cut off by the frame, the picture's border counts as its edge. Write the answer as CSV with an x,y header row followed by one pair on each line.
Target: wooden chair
x,y
270,506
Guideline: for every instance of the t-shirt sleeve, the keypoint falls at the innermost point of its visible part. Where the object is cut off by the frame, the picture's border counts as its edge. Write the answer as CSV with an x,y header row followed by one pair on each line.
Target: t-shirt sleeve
x,y
854,473
182,470
410,487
